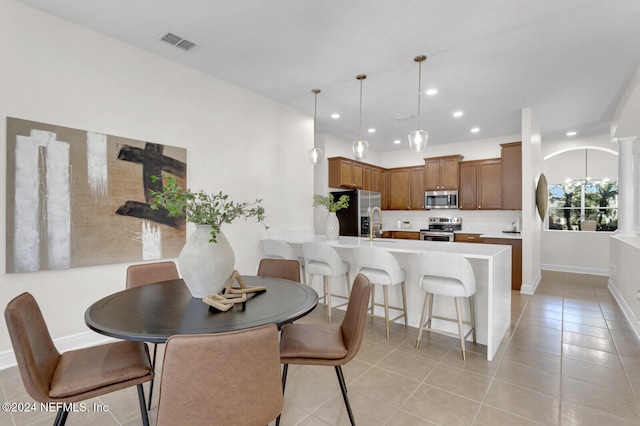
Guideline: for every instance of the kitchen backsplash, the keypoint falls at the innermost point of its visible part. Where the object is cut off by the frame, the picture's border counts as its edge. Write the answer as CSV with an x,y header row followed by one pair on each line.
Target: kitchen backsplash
x,y
472,220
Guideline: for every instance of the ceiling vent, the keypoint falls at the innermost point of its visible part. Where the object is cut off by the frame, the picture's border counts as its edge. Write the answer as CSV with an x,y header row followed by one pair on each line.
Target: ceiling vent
x,y
406,117
177,41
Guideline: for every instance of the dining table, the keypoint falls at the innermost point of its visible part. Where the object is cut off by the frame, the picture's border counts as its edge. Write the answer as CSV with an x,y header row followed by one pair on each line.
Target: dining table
x,y
154,312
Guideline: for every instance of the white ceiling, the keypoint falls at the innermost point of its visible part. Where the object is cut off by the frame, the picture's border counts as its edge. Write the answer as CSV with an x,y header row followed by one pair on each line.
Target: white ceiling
x,y
568,59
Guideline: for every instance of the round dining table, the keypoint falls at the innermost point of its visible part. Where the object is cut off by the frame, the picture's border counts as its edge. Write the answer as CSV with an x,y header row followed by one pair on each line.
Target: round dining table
x,y
155,312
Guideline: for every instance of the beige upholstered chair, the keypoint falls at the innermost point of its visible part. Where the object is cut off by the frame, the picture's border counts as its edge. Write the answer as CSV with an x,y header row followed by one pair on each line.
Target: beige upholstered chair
x,y
382,268
322,259
280,268
221,379
277,249
74,376
328,344
447,274
149,273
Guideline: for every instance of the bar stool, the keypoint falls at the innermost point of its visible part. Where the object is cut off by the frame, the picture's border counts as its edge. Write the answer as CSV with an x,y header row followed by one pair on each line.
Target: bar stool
x,y
278,249
322,259
382,268
446,274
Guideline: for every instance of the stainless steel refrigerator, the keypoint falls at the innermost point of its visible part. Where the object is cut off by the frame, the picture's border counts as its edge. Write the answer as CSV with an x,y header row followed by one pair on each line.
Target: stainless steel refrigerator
x,y
354,220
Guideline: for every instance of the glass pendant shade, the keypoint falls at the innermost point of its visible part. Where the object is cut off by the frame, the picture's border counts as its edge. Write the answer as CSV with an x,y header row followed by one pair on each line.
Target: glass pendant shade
x,y
418,140
360,149
315,155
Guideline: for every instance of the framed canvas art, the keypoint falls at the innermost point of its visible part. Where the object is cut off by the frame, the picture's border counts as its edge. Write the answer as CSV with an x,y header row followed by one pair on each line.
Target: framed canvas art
x,y
79,198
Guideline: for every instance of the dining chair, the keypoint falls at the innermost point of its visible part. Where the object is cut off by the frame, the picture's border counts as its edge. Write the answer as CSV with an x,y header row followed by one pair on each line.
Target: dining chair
x,y
383,269
148,273
322,259
447,274
280,268
232,378
73,376
328,344
279,249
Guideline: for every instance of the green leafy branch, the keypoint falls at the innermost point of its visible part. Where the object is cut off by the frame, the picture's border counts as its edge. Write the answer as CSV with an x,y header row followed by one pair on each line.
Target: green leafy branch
x,y
327,201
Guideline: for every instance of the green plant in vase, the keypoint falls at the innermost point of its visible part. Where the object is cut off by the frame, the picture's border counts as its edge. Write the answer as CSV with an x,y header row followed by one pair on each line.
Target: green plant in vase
x,y
328,202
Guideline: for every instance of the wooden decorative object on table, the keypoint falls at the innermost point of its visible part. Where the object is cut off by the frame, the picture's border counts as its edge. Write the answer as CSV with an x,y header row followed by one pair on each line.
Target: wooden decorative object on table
x,y
231,294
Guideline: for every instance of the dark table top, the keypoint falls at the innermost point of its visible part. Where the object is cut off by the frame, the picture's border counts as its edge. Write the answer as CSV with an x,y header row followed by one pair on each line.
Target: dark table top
x,y
155,312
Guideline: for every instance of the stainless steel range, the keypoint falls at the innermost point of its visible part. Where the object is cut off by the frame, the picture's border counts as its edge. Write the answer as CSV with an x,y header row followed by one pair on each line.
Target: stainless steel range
x,y
441,229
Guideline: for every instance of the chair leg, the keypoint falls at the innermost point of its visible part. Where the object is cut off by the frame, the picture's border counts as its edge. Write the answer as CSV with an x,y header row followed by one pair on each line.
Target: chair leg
x,y
348,278
343,388
373,298
473,318
422,319
327,284
143,406
385,291
153,368
285,370
61,417
404,304
460,329
304,274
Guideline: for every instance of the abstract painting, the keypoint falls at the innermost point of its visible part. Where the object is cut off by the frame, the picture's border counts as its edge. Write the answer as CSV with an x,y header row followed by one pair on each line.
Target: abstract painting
x,y
79,198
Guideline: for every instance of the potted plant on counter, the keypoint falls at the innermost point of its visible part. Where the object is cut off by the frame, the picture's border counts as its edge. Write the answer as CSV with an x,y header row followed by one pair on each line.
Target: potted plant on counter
x,y
332,229
207,260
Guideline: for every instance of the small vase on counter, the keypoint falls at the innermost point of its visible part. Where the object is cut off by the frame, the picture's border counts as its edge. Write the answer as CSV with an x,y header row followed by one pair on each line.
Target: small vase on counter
x,y
332,226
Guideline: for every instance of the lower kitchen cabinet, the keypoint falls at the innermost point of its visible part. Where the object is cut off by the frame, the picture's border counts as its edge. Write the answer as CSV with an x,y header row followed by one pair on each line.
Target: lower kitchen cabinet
x,y
466,238
406,235
516,258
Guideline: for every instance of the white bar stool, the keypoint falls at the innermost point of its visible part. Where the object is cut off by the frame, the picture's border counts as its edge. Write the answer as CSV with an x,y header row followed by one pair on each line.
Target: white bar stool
x,y
277,249
322,259
446,274
382,268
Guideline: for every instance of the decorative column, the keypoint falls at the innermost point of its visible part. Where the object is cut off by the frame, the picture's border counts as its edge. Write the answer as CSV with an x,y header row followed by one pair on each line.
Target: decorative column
x,y
625,186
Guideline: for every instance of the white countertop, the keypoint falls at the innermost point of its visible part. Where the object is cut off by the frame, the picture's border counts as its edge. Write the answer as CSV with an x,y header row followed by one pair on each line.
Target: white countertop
x,y
480,251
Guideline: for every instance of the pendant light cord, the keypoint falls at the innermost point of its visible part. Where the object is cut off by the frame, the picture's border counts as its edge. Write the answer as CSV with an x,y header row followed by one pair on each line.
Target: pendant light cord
x,y
419,89
360,125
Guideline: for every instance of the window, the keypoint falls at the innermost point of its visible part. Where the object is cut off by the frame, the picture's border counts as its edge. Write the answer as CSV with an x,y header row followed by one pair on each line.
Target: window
x,y
573,206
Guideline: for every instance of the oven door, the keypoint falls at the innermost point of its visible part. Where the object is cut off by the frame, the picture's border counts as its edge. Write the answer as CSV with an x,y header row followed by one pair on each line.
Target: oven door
x,y
436,236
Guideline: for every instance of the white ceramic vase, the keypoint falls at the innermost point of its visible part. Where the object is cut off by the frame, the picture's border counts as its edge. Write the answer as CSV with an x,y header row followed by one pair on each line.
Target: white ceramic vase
x,y
206,267
332,229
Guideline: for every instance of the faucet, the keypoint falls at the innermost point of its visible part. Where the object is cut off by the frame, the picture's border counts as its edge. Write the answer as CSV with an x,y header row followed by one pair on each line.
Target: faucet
x,y
377,224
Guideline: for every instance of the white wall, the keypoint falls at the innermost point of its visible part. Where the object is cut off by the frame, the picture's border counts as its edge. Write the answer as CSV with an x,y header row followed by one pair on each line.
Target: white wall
x,y
59,73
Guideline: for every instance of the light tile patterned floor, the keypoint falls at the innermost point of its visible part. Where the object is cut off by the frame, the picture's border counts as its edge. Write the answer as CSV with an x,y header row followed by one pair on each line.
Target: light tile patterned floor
x,y
571,358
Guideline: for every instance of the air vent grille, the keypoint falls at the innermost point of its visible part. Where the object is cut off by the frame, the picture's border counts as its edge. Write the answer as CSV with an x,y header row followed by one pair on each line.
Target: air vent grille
x,y
177,41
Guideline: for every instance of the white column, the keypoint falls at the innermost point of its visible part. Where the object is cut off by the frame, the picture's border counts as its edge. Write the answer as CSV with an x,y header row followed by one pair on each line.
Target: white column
x,y
625,186
636,191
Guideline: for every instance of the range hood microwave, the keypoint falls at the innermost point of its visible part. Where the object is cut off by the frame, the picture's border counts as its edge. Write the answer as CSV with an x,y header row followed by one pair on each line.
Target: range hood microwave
x,y
441,200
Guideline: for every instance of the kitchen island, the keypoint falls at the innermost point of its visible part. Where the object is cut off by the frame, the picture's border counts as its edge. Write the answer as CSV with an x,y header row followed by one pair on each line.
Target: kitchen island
x,y
491,265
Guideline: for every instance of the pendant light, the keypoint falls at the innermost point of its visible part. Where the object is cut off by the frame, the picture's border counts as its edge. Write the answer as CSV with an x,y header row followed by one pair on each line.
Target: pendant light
x,y
360,147
315,153
418,138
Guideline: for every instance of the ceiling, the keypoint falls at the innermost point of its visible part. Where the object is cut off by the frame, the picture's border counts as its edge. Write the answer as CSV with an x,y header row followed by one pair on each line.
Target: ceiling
x,y
570,60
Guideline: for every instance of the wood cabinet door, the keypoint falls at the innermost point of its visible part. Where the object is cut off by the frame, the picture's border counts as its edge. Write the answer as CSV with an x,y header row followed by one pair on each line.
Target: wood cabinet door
x,y
449,173
417,188
406,235
512,176
374,180
399,181
357,173
467,238
366,178
467,194
432,174
490,184
516,258
383,186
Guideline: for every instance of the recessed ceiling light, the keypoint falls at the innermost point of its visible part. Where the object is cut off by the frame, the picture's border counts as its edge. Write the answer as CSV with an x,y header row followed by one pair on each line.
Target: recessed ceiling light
x,y
432,92
458,114
475,129
572,133
335,115
397,142
371,130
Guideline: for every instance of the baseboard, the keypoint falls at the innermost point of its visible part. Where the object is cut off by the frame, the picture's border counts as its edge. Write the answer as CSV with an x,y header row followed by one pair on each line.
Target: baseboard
x,y
531,288
575,269
633,320
63,344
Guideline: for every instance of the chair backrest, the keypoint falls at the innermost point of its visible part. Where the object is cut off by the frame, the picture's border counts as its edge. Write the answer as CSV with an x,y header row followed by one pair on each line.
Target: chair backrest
x,y
232,378
280,268
354,320
319,252
33,347
278,249
447,265
378,258
147,273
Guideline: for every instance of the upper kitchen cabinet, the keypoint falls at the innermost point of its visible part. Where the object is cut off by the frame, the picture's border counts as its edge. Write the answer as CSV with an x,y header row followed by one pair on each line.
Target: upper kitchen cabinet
x,y
511,176
345,173
416,191
442,173
406,188
481,185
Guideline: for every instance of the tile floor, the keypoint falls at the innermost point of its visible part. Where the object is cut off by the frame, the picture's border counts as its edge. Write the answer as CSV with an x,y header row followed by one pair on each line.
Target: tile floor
x,y
571,358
